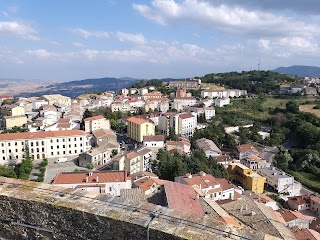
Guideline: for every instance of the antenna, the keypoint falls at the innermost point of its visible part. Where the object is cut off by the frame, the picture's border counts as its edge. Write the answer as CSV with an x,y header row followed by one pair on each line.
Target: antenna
x,y
259,65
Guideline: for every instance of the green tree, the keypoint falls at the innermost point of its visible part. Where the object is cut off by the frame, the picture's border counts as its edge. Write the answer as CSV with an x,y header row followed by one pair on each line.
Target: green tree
x,y
114,152
292,107
7,171
89,166
172,135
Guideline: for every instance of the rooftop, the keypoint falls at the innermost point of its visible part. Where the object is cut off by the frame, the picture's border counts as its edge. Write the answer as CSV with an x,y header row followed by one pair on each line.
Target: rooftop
x,y
289,215
136,120
200,179
272,171
94,118
246,147
207,144
90,177
103,133
186,115
157,138
182,198
33,135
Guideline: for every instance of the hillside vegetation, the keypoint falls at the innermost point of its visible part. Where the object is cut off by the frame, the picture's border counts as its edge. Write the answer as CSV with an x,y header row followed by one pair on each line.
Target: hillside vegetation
x,y
255,82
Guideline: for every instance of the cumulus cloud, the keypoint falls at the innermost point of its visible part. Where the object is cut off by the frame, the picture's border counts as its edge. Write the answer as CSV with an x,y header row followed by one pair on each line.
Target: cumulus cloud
x,y
88,34
39,53
225,18
18,29
78,45
129,37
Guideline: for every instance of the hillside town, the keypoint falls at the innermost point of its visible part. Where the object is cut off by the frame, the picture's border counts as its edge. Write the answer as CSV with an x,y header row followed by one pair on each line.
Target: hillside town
x,y
156,144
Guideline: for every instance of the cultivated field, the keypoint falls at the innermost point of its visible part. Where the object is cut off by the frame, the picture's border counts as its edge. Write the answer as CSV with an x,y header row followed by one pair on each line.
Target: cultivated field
x,y
309,108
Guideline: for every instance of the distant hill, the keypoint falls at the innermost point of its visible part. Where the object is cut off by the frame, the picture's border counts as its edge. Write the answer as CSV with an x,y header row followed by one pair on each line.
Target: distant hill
x,y
301,71
75,88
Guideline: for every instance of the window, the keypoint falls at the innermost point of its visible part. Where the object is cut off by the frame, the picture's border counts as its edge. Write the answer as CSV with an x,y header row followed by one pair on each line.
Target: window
x,y
58,153
75,151
37,143
17,157
69,151
75,139
80,144
81,139
42,149
37,149
51,153
16,150
57,140
69,145
63,140
64,152
4,158
69,139
30,144
22,143
2,144
58,147
15,143
51,141
51,147
64,146
75,145
42,143
2,151
9,150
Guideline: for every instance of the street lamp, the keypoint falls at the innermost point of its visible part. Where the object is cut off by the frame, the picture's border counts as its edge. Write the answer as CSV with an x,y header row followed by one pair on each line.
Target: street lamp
x,y
153,216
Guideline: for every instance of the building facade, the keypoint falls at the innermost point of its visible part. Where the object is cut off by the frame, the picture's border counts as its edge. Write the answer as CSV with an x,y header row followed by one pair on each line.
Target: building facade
x,y
139,128
95,123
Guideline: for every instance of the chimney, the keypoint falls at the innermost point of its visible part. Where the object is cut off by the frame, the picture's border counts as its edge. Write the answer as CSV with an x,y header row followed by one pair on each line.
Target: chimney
x,y
97,180
87,180
90,174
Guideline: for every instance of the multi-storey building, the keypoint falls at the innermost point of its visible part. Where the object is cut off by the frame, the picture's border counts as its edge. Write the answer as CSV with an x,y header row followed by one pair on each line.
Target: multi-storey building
x,y
180,103
249,179
41,145
134,161
280,181
96,122
245,150
152,95
187,123
189,84
138,128
223,93
57,99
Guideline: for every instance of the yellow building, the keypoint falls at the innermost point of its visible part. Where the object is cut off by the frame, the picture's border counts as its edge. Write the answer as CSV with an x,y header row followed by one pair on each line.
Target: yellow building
x,y
138,128
15,121
248,178
12,110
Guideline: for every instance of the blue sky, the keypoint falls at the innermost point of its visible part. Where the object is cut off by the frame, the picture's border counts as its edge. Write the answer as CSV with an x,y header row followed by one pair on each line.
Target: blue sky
x,y
77,39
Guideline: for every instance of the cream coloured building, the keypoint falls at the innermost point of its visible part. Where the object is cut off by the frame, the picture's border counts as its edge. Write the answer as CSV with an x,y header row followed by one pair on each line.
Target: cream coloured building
x,y
15,121
57,99
96,122
41,145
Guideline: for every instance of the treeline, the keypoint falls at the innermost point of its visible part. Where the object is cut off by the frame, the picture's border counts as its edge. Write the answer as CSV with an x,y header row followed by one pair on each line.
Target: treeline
x,y
255,82
168,166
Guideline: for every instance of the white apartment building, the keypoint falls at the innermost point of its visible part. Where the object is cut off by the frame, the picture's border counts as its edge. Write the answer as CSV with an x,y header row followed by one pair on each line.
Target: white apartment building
x,y
187,124
41,145
220,102
280,181
38,103
223,93
134,161
57,99
208,186
209,112
180,103
118,106
106,182
155,141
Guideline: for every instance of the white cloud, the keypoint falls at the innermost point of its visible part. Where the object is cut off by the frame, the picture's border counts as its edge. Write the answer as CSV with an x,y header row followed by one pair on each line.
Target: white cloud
x,y
78,45
87,34
89,53
40,53
18,29
229,19
129,37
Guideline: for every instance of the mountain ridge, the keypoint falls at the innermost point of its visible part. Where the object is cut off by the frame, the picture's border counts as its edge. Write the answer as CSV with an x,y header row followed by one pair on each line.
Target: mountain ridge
x,y
299,70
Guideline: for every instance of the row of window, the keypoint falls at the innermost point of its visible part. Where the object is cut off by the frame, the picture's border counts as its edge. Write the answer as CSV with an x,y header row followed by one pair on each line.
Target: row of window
x,y
39,142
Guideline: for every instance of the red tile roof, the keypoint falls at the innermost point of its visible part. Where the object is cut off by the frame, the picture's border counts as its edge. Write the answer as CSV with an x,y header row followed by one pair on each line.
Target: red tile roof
x,y
203,180
157,138
246,147
182,198
94,118
306,234
102,133
224,184
229,220
136,120
186,115
289,215
32,135
300,200
80,177
222,158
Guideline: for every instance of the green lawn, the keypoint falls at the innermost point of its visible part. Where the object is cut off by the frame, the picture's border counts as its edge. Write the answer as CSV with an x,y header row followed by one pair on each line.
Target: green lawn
x,y
307,179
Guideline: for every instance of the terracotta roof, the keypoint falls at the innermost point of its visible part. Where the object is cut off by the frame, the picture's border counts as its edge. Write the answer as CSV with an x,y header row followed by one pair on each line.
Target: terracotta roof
x,y
157,138
246,147
306,234
80,177
32,135
289,215
186,115
177,143
102,133
253,158
224,184
132,155
229,220
136,120
204,180
182,198
94,118
142,174
315,199
300,200
63,120
185,98
63,125
222,158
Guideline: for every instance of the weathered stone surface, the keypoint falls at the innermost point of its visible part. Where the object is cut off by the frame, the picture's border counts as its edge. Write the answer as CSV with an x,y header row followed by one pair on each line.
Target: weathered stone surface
x,y
72,214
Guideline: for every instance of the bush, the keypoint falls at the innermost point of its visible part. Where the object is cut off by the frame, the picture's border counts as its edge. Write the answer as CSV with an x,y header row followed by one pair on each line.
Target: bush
x,y
89,166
